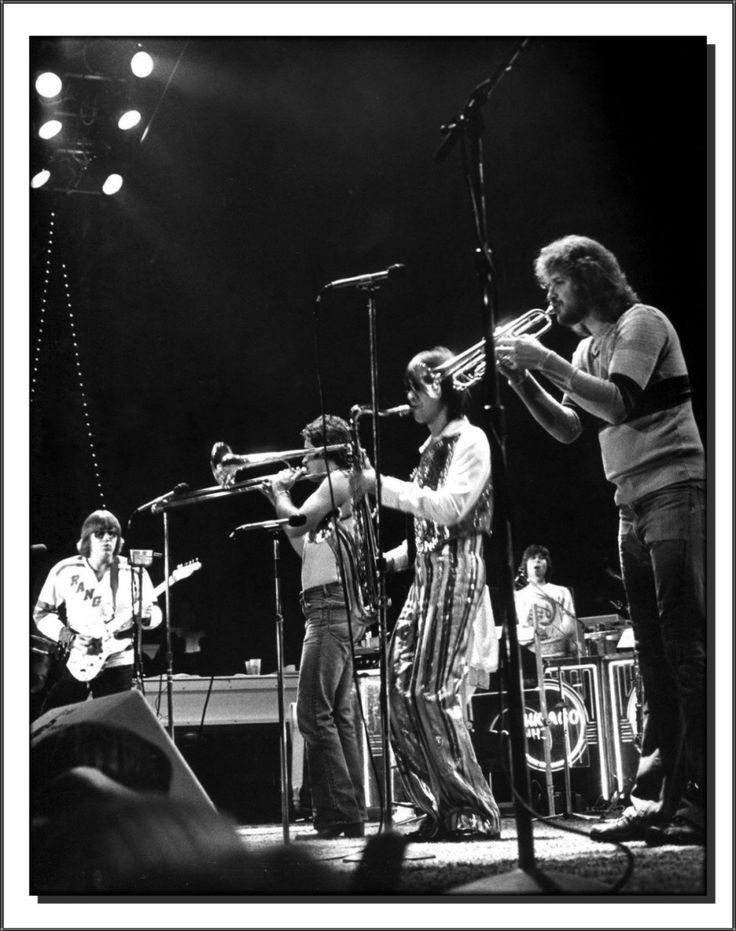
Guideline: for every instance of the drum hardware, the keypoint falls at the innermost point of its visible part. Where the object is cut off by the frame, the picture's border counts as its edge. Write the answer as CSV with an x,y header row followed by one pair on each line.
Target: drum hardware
x,y
547,733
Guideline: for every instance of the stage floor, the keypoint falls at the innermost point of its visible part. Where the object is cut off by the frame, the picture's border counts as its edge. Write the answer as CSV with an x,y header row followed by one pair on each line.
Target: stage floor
x,y
562,850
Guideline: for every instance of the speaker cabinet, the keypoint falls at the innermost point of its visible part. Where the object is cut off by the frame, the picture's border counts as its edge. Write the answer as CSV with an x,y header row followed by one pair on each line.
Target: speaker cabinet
x,y
119,735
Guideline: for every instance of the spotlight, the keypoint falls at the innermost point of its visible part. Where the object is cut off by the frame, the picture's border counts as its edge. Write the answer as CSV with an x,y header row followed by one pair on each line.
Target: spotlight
x,y
40,178
129,119
48,84
141,64
50,129
112,184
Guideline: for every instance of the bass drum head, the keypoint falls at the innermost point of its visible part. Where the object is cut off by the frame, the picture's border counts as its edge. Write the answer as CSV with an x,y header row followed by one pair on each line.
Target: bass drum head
x,y
566,707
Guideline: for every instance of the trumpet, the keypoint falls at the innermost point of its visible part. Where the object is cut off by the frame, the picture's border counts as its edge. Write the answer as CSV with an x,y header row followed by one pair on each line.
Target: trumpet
x,y
468,367
226,464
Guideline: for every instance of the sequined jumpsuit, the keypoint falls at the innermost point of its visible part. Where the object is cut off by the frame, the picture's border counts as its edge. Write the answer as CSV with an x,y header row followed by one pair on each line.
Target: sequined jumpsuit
x,y
428,661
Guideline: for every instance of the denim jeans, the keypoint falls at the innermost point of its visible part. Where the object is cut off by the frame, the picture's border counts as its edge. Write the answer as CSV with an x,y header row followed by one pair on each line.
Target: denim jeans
x,y
662,549
326,713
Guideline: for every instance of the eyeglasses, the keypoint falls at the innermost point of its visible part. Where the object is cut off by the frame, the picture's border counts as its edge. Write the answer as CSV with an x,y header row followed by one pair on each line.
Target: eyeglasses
x,y
101,534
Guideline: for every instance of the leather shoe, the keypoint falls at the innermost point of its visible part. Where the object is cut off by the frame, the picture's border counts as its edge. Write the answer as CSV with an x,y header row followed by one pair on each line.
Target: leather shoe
x,y
679,831
627,827
331,831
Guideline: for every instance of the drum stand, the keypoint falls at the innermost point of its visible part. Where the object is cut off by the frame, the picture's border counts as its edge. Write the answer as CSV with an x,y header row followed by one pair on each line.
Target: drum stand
x,y
546,730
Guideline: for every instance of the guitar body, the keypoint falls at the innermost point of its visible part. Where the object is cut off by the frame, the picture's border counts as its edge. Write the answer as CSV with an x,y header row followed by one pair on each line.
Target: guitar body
x,y
87,655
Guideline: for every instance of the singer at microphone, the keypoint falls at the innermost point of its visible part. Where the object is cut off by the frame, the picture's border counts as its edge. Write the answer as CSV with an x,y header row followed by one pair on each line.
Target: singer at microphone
x,y
366,281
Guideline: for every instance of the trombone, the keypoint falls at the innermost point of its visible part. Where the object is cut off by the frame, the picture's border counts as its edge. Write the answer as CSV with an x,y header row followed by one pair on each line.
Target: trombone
x,y
226,464
468,367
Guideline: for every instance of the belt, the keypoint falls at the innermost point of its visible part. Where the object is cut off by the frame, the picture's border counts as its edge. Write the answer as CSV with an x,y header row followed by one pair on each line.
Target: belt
x,y
334,588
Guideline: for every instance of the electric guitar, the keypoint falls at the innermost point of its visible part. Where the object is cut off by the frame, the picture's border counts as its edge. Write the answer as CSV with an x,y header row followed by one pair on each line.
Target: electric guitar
x,y
83,665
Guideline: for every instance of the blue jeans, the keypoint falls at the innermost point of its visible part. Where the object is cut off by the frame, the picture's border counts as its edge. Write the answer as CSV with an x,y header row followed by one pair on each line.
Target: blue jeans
x,y
662,549
325,707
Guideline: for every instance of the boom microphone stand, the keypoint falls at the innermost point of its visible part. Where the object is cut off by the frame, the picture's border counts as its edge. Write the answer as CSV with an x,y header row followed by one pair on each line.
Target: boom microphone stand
x,y
528,878
371,283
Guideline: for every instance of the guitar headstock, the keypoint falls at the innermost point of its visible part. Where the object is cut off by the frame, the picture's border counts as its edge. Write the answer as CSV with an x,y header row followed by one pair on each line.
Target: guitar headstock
x,y
184,570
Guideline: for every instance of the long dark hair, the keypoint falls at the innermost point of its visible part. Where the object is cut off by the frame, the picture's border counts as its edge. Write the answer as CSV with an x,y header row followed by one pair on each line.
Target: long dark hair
x,y
99,520
419,374
594,271
534,549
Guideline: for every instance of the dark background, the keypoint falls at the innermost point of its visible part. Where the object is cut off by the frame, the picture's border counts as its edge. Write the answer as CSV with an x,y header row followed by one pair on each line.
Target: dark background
x,y
276,165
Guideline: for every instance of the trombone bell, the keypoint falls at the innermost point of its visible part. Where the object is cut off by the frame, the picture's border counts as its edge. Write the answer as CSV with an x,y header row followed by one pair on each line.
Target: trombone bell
x,y
226,464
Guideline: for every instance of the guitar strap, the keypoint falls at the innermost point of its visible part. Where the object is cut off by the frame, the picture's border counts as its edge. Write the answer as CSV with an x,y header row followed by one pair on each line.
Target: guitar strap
x,y
114,579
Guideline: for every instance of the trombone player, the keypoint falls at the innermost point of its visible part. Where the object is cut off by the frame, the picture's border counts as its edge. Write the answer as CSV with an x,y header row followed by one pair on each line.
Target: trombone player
x,y
333,613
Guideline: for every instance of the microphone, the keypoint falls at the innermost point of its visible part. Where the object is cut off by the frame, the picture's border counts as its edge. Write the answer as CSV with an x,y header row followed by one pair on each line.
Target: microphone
x,y
162,499
361,410
296,520
143,557
366,281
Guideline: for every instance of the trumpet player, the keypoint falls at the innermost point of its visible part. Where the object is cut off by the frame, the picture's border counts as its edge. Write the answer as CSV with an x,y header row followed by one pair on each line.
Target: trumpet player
x,y
325,699
450,498
629,374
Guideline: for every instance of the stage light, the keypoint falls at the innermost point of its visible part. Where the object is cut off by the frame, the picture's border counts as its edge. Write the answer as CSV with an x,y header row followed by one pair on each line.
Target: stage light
x,y
112,184
141,64
50,129
40,178
48,84
129,119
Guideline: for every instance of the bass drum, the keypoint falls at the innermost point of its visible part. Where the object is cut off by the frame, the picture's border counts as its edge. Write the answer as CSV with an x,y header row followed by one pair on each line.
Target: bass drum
x,y
566,706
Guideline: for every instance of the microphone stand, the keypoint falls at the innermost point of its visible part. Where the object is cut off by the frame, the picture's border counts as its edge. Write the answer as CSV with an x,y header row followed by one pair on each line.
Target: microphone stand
x,y
386,793
528,878
161,504
169,654
273,527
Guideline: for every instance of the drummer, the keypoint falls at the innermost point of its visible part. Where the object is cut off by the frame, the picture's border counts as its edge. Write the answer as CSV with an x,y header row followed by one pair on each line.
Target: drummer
x,y
544,608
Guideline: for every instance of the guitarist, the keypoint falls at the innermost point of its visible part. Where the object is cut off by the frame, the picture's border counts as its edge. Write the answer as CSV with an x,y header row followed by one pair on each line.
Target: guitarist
x,y
88,605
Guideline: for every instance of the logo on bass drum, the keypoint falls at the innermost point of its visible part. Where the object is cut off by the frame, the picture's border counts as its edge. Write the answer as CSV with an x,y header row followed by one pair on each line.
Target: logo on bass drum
x,y
565,710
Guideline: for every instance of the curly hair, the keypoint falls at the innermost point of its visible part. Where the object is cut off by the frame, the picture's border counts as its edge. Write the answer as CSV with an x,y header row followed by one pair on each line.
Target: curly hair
x,y
328,431
594,270
419,374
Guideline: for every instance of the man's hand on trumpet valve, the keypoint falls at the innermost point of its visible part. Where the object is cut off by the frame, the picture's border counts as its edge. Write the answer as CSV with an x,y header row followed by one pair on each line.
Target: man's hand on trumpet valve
x,y
515,355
